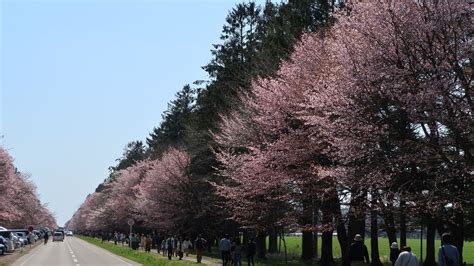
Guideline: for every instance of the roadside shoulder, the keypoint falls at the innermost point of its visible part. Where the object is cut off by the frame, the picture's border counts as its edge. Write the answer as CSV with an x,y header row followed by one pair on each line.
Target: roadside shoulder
x,y
10,258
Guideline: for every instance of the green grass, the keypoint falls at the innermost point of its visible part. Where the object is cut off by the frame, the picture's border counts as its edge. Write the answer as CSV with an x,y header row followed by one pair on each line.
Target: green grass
x,y
147,259
294,248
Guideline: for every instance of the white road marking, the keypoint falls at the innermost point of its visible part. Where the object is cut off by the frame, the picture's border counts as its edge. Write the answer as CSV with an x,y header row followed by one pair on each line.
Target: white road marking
x,y
72,253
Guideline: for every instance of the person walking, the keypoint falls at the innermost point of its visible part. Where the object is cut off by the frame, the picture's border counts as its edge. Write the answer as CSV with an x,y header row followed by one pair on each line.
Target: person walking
x,y
142,241
169,247
186,246
46,236
448,254
163,246
394,252
148,241
237,252
358,251
200,245
134,241
251,251
224,247
31,238
406,258
179,248
175,244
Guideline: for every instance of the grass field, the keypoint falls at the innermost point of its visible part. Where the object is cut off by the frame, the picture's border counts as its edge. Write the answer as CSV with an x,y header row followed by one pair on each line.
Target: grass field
x,y
294,248
146,259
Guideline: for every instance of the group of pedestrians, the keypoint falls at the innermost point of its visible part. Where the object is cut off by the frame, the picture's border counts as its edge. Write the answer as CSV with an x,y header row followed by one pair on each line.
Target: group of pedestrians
x,y
231,251
448,254
175,246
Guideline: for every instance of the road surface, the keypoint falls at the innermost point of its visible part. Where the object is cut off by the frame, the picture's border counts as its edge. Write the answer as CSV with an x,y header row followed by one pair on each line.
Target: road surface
x,y
71,252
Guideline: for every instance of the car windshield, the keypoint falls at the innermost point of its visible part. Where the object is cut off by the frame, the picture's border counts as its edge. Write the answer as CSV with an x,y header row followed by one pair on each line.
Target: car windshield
x,y
5,234
58,234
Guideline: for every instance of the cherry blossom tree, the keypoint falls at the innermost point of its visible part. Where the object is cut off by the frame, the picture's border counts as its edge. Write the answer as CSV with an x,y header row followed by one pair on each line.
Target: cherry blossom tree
x,y
21,205
165,195
7,177
271,158
396,120
171,199
371,116
401,114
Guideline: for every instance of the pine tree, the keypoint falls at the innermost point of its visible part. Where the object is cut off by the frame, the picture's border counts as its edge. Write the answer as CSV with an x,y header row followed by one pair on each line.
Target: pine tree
x,y
172,129
133,152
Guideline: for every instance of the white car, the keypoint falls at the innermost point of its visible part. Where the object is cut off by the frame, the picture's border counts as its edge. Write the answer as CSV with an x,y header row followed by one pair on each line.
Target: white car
x,y
16,240
23,238
10,245
58,236
69,233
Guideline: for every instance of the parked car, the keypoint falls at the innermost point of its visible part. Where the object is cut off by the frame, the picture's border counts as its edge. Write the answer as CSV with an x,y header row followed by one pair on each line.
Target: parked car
x,y
3,249
22,233
58,236
69,233
23,238
37,234
16,240
5,239
3,228
3,245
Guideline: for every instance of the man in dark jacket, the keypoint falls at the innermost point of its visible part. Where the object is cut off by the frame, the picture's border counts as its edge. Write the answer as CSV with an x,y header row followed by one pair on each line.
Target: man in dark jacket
x,y
358,251
200,244
251,250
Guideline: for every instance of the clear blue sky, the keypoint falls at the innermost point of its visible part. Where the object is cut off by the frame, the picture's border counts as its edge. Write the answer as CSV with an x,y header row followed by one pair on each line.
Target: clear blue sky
x,y
80,79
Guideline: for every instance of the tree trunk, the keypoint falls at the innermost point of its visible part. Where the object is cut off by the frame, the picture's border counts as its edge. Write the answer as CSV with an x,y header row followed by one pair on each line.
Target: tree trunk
x,y
374,233
389,222
430,244
261,245
279,243
307,245
272,241
403,225
282,237
246,237
307,239
326,247
356,223
316,231
340,225
457,234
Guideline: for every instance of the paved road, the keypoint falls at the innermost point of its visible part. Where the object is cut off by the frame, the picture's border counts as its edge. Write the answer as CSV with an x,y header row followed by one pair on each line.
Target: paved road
x,y
71,252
